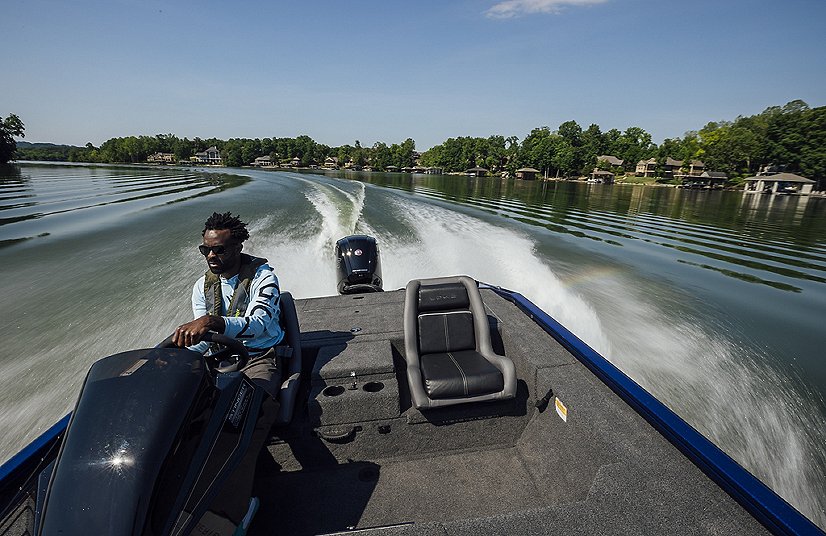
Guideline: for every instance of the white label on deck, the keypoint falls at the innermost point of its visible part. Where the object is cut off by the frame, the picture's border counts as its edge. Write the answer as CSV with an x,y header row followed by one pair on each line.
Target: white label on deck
x,y
561,410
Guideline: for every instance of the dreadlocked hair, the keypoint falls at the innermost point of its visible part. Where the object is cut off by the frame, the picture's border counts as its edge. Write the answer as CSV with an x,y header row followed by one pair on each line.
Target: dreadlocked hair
x,y
218,222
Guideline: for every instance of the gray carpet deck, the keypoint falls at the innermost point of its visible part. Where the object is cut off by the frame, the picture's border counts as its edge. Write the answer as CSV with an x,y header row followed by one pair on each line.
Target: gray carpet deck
x,y
367,494
490,468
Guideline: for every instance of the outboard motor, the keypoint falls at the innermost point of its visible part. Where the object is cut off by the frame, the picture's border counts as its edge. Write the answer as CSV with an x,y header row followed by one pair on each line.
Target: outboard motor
x,y
358,265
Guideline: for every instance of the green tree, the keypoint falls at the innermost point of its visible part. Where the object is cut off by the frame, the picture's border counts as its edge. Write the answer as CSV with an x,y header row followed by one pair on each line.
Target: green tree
x,y
10,127
382,157
403,153
593,145
632,146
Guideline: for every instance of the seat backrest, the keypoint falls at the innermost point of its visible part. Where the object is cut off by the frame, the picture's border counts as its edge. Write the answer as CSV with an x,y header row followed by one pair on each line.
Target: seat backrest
x,y
444,319
291,376
451,305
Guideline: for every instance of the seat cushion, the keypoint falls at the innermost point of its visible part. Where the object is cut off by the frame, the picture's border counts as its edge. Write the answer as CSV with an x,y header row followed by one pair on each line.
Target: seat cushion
x,y
446,332
459,374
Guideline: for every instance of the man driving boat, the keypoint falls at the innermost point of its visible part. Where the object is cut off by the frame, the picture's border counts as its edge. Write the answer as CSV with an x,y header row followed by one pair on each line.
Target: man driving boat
x,y
239,297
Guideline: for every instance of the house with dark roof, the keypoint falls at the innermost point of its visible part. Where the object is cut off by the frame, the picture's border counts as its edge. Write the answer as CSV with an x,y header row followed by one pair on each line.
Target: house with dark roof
x,y
647,168
526,173
610,160
210,157
263,161
161,158
671,166
696,167
707,180
601,176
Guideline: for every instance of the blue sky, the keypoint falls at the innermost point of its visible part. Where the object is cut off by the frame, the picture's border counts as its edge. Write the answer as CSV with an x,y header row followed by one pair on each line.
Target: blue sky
x,y
85,71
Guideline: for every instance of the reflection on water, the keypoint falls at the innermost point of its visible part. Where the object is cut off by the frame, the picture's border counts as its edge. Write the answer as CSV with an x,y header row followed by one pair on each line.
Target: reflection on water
x,y
711,300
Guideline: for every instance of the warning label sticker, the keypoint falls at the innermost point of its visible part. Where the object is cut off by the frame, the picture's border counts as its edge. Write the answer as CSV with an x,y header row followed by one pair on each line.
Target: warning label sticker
x,y
561,410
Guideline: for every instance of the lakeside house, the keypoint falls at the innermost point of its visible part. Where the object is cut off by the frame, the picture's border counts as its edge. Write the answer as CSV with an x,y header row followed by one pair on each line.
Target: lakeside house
x,y
161,158
695,168
610,160
263,161
331,162
671,166
708,180
687,172
601,176
477,172
646,168
526,173
210,157
779,183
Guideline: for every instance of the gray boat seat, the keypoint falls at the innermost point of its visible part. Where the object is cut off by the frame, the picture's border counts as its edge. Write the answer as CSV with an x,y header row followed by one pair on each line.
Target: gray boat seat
x,y
291,377
450,359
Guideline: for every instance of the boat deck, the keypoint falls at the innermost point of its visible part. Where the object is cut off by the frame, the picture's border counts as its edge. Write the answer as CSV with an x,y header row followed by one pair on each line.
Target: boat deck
x,y
363,460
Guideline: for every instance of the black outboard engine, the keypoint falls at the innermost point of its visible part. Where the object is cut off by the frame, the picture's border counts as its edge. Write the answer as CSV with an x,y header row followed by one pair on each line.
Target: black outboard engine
x,y
358,265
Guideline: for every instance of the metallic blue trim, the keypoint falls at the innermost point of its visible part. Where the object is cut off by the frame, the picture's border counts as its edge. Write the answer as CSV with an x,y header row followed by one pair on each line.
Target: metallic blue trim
x,y
757,498
34,450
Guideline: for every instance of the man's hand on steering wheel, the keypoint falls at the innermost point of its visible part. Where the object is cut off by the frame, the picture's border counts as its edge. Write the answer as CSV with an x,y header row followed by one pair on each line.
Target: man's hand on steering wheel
x,y
229,348
191,333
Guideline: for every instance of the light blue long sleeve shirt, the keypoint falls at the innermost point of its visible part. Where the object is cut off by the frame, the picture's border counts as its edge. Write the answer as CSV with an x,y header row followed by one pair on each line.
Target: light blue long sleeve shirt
x,y
259,328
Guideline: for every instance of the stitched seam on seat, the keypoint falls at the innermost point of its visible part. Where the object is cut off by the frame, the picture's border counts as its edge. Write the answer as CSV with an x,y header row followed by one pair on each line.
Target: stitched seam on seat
x,y
445,313
447,334
462,372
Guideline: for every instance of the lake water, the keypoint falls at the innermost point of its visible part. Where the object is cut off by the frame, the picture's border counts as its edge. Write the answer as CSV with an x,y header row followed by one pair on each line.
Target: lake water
x,y
713,301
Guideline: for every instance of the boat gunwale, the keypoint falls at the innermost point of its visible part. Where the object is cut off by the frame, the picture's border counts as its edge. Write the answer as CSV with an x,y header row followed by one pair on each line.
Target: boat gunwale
x,y
769,508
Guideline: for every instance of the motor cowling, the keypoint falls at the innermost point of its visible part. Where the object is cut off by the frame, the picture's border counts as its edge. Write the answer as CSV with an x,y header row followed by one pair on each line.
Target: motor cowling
x,y
152,439
358,265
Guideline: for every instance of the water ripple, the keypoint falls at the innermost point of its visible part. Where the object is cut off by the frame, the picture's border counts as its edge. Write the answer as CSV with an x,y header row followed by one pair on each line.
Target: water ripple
x,y
47,200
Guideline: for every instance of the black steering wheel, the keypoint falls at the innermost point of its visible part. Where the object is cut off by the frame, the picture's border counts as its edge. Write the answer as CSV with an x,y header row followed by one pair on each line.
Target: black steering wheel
x,y
231,347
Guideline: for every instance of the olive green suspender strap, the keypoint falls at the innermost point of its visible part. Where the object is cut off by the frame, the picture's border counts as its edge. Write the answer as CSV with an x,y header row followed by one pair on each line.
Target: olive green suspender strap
x,y
213,298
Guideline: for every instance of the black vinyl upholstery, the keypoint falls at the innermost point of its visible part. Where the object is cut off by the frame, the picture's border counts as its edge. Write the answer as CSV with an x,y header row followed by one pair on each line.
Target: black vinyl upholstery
x,y
459,374
447,341
291,376
446,332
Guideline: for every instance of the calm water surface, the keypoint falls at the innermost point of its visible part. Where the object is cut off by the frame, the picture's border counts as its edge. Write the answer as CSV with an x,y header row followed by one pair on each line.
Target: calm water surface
x,y
713,301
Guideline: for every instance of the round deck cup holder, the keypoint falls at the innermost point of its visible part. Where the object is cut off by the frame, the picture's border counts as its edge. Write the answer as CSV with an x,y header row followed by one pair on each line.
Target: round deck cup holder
x,y
373,387
333,390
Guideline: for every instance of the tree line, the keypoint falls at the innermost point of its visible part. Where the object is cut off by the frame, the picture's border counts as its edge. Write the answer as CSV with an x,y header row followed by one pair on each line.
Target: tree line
x,y
791,136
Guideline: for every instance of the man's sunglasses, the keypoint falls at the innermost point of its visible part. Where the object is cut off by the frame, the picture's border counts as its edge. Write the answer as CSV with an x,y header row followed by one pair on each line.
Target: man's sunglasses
x,y
220,249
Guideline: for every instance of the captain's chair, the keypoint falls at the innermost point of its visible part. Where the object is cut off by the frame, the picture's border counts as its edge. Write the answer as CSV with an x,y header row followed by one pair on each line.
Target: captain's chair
x,y
450,359
292,364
